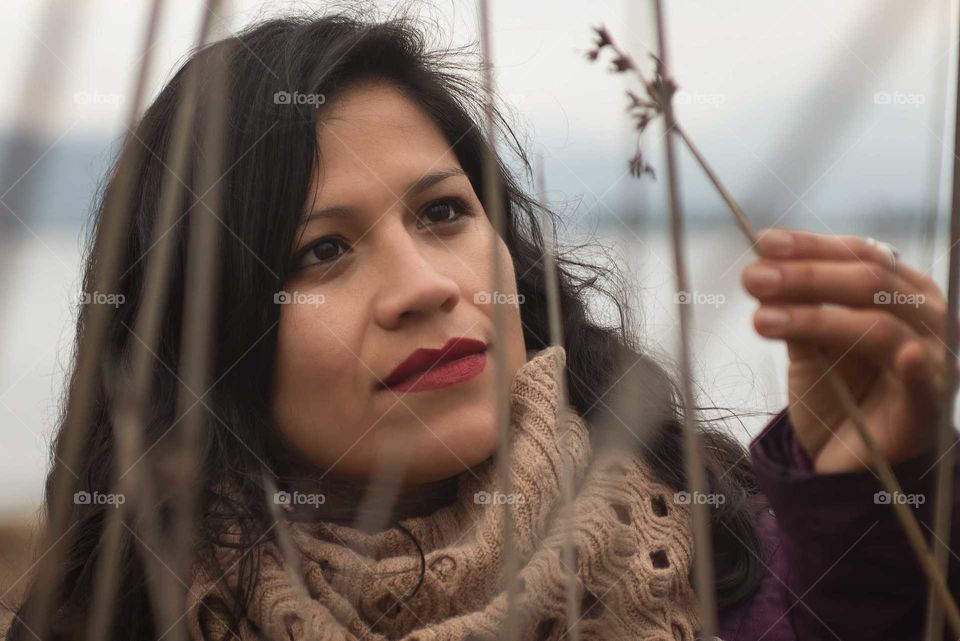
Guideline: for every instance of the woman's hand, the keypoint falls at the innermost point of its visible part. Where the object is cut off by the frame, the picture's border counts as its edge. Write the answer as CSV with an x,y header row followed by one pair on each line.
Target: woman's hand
x,y
882,331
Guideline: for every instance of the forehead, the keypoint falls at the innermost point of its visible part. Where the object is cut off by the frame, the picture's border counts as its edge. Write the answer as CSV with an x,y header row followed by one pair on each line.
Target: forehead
x,y
374,135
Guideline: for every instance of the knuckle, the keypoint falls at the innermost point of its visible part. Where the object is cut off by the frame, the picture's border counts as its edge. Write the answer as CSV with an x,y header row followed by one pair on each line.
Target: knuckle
x,y
937,311
929,286
861,248
803,273
888,281
885,331
935,356
806,317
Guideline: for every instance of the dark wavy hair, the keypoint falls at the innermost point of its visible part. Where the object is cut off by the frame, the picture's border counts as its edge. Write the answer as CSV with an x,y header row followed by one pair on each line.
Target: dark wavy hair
x,y
272,153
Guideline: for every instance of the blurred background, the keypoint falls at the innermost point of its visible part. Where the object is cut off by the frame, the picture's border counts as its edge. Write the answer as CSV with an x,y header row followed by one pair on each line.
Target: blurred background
x,y
831,117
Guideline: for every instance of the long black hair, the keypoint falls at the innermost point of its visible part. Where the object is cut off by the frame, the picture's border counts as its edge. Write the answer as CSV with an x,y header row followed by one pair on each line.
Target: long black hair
x,y
272,153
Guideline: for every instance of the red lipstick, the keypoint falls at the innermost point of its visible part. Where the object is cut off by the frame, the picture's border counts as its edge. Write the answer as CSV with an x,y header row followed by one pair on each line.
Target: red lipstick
x,y
460,359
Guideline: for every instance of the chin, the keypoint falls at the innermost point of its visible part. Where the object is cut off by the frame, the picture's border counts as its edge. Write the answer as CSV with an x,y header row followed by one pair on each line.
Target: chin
x,y
446,455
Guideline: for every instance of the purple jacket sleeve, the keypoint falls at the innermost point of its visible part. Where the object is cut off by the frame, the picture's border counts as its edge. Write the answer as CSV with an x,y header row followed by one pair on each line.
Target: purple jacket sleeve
x,y
838,565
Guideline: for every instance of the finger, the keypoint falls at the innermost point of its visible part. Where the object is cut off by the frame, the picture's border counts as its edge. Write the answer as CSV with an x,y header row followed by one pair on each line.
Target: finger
x,y
849,283
920,373
924,381
872,335
780,242
798,351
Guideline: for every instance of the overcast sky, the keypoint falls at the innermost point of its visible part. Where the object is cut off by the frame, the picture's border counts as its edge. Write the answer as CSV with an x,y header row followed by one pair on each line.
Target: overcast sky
x,y
781,96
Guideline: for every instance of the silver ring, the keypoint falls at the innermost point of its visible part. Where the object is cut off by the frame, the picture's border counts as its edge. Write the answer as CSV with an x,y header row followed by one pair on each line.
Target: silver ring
x,y
890,250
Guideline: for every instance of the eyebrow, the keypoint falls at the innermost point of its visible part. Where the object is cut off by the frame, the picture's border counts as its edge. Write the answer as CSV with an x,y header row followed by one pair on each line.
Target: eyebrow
x,y
419,185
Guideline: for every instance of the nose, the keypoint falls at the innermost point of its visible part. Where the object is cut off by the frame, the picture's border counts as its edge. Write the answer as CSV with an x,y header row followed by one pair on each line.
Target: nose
x,y
411,285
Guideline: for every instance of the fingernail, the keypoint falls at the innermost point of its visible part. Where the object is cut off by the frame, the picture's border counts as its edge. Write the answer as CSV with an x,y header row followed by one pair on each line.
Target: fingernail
x,y
771,320
763,279
777,242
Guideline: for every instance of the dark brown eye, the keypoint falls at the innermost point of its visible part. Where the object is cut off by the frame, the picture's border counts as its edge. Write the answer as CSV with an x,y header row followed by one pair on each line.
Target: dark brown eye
x,y
443,211
323,251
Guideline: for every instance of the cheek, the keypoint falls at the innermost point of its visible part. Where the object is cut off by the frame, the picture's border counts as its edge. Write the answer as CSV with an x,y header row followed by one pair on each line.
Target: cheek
x,y
314,377
480,277
488,294
509,276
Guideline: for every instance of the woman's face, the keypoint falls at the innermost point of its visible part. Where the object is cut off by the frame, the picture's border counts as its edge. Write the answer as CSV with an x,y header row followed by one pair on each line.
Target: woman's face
x,y
399,265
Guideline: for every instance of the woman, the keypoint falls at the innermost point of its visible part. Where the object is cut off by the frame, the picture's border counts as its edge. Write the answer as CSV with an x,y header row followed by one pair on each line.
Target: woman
x,y
357,264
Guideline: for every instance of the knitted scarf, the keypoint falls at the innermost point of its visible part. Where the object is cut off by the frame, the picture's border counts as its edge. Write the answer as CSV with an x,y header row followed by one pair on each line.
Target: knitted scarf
x,y
633,554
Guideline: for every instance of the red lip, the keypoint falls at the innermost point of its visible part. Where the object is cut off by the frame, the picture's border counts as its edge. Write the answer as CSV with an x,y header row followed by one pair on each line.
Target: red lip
x,y
424,359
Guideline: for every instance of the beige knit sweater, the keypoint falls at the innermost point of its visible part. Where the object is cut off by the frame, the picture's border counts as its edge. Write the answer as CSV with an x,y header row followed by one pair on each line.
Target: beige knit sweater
x,y
633,559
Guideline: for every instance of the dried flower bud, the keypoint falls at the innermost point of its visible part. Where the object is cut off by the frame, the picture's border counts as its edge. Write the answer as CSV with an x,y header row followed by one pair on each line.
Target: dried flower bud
x,y
643,111
670,87
622,63
638,104
603,37
638,167
661,90
642,121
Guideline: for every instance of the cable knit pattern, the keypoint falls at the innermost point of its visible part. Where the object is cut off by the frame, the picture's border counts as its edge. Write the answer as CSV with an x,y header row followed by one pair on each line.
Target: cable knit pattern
x,y
633,551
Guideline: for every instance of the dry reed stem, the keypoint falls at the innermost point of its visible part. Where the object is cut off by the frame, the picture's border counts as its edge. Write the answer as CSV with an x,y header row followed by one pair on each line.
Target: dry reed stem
x,y
555,323
57,535
692,446
201,291
129,414
493,202
945,461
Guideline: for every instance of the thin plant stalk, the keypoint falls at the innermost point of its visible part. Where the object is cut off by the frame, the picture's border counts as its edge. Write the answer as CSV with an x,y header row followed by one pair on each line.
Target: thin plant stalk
x,y
692,445
555,323
383,490
129,414
493,200
285,542
199,311
109,247
945,462
105,583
